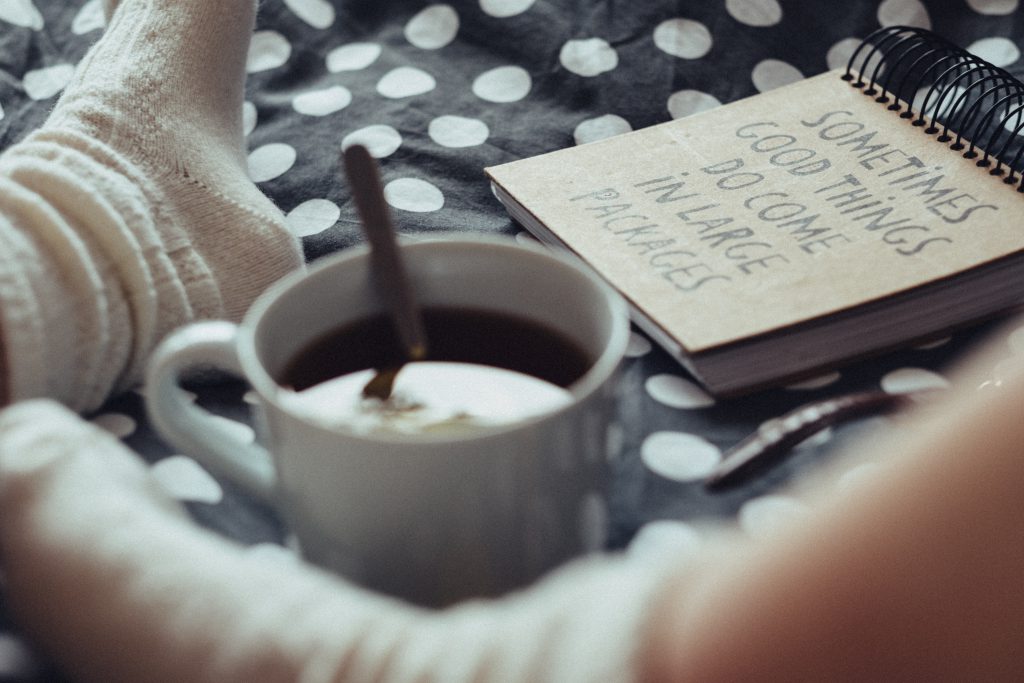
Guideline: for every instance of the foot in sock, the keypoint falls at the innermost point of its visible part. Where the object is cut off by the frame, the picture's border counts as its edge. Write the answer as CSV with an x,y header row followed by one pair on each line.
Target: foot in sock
x,y
131,210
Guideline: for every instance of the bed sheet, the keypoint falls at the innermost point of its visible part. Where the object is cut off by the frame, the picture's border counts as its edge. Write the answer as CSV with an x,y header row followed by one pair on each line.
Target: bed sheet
x,y
438,91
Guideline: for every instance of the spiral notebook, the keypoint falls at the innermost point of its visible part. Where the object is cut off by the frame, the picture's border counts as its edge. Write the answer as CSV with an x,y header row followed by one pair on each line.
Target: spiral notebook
x,y
781,235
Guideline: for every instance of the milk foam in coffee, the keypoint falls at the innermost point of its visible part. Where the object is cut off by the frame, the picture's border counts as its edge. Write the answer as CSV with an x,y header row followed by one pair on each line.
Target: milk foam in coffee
x,y
482,369
429,397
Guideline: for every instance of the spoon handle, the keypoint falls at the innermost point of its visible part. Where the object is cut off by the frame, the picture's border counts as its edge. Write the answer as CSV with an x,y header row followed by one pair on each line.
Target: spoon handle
x,y
391,280
774,441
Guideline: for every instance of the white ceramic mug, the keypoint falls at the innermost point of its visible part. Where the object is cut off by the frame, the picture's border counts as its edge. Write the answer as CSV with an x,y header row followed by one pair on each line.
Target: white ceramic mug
x,y
429,518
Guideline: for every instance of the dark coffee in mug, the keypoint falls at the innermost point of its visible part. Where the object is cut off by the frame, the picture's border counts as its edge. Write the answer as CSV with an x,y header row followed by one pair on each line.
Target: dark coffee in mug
x,y
483,368
458,335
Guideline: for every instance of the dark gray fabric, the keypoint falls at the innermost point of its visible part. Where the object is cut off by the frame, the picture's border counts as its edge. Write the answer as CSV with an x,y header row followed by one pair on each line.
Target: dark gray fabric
x,y
558,100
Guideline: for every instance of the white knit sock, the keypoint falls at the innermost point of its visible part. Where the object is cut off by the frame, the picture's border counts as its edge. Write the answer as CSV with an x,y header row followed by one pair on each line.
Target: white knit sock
x,y
118,585
131,212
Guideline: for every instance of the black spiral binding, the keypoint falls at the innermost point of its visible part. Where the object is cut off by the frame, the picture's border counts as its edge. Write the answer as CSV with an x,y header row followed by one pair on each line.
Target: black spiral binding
x,y
975,107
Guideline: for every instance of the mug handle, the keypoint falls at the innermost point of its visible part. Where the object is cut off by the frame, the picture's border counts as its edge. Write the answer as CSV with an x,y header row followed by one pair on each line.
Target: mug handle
x,y
193,429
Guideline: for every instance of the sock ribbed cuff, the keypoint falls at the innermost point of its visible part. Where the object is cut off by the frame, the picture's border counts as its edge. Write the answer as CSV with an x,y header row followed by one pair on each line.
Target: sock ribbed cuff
x,y
131,211
21,321
91,252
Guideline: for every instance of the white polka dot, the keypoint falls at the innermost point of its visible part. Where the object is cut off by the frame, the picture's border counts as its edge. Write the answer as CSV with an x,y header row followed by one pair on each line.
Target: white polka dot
x,y
679,456
1013,122
676,392
316,13
458,131
665,538
270,161
89,18
903,13
906,380
588,56
379,140
405,81
184,479
755,12
772,73
838,56
593,521
503,84
433,27
312,216
684,38
413,194
600,128
949,101
118,424
238,430
998,51
42,84
322,102
268,50
767,515
816,382
249,116
638,346
994,7
16,663
21,13
251,397
685,102
505,8
352,57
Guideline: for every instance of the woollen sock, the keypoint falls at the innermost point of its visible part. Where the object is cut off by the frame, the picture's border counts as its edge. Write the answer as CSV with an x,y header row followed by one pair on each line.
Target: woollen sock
x,y
114,580
130,212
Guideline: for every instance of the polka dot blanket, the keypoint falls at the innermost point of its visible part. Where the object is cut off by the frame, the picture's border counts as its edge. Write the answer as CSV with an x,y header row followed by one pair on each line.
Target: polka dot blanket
x,y
437,92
